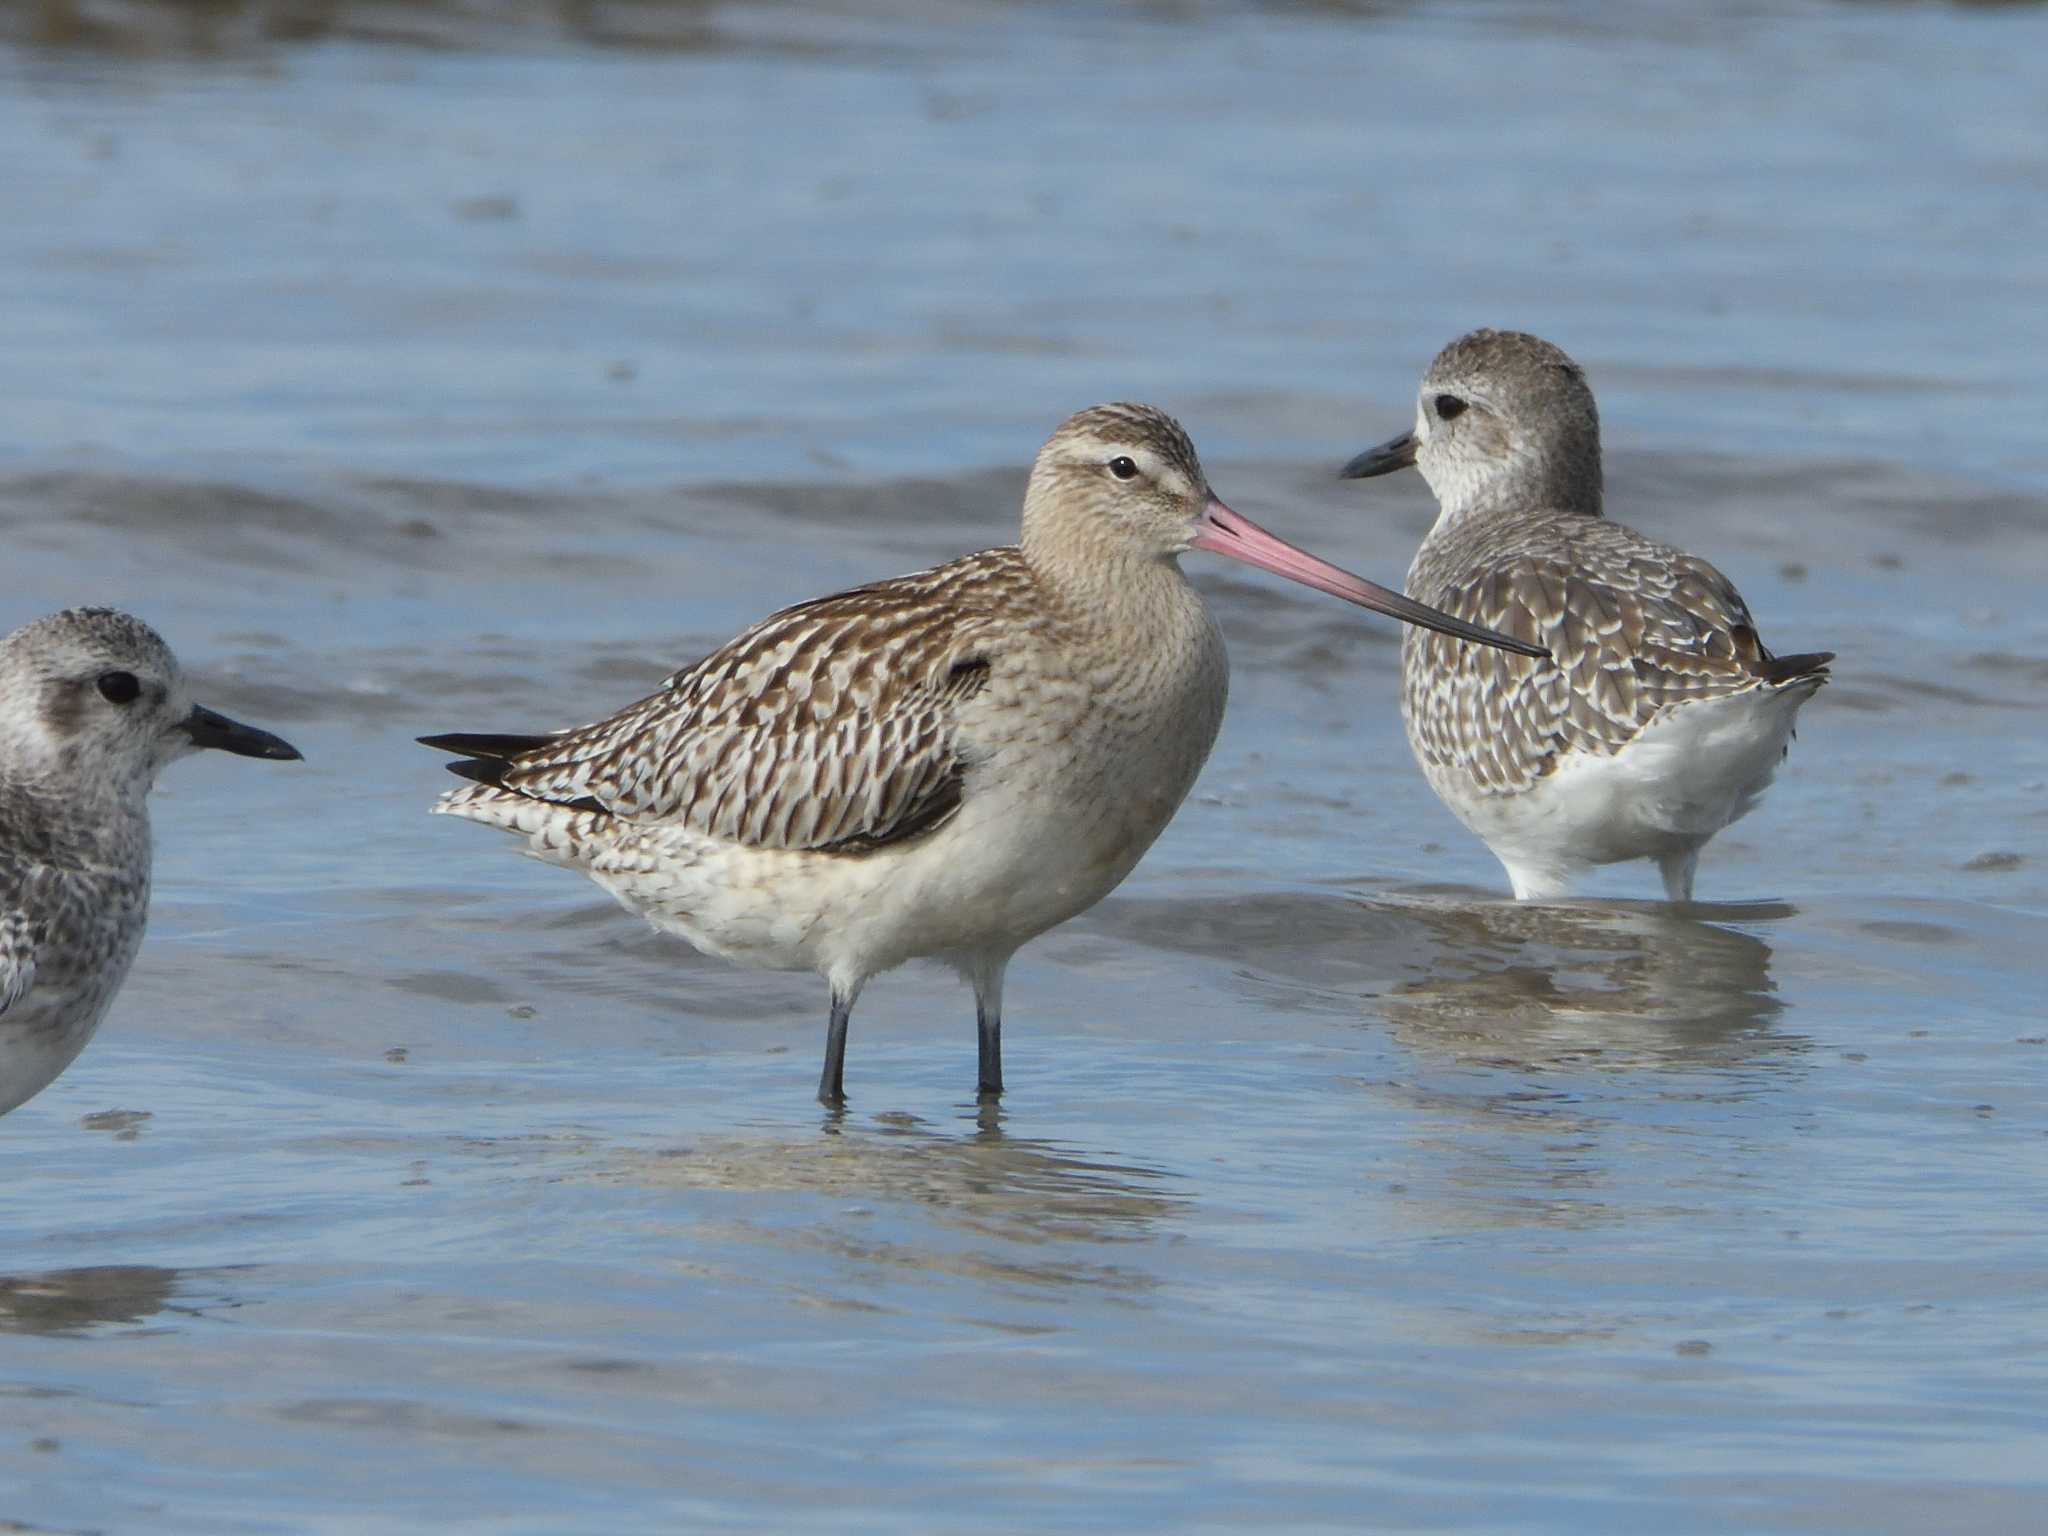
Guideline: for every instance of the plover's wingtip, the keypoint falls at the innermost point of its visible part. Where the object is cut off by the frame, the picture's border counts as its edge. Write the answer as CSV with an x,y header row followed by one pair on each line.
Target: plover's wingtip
x,y
1792,669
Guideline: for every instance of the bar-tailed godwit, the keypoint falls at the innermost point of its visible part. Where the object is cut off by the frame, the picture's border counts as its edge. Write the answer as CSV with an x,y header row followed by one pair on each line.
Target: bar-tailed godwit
x,y
92,705
1658,716
944,764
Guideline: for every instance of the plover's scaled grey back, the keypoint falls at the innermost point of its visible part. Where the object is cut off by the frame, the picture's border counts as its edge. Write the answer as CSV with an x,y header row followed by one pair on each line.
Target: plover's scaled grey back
x,y
944,764
92,706
1660,716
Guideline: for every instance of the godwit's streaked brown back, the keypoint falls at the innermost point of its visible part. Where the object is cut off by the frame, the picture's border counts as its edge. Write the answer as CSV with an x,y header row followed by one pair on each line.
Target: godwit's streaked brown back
x,y
831,726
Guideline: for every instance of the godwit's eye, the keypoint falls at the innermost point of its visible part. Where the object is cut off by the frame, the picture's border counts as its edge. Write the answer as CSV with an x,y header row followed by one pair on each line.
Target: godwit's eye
x,y
119,687
1448,406
1124,467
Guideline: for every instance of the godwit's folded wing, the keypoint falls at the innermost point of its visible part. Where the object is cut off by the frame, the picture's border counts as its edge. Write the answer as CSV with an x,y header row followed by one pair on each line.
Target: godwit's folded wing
x,y
831,725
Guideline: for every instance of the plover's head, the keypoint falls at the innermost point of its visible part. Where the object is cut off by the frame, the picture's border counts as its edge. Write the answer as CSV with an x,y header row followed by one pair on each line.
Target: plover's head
x,y
97,696
1122,482
1504,421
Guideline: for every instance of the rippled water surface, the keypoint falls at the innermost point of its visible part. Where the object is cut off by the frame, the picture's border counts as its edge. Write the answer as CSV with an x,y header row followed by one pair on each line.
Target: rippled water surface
x,y
414,370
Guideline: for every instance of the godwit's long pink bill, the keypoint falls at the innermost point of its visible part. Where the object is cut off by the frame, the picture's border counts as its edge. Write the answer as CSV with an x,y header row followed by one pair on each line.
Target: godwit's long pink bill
x,y
1232,533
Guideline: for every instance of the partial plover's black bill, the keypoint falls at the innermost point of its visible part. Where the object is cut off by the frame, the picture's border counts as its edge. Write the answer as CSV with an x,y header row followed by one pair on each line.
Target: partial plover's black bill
x,y
92,706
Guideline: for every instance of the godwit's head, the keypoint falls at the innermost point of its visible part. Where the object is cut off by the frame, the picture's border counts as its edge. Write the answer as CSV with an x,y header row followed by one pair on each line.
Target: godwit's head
x,y
94,698
1504,421
1122,482
1116,480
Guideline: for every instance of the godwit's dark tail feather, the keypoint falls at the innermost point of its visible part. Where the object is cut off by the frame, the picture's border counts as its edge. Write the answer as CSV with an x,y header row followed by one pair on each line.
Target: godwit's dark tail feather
x,y
485,770
503,748
1789,669
484,756
487,758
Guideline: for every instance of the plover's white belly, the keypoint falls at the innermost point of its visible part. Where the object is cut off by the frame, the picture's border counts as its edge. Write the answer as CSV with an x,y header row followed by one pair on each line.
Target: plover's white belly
x,y
43,1035
88,926
1683,778
76,981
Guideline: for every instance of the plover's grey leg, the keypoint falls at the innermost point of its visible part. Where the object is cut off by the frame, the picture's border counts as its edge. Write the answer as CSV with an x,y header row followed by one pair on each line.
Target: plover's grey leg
x,y
1677,870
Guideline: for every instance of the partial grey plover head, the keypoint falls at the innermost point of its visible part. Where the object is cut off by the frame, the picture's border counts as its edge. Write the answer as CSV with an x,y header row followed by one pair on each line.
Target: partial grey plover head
x,y
1502,419
1658,717
92,706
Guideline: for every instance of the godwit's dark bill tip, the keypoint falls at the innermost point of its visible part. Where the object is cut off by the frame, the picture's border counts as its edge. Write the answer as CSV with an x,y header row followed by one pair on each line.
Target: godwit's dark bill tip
x,y
1395,453
1427,617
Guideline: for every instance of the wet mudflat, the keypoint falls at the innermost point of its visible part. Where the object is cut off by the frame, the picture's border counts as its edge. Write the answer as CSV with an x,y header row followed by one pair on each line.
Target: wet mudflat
x,y
410,1182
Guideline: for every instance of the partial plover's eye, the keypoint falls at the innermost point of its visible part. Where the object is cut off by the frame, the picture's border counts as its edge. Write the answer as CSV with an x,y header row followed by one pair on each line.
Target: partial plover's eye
x,y
1448,406
119,687
1124,467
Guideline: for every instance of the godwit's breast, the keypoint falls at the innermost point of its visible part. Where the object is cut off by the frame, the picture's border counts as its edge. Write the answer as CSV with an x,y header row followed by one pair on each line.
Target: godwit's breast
x,y
1083,746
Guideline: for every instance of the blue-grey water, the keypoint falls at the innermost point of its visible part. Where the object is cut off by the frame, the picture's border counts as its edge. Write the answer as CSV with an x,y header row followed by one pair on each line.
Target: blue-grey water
x,y
420,368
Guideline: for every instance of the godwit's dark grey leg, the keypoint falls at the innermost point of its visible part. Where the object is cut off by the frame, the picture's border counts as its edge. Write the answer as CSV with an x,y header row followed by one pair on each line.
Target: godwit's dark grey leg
x,y
832,1082
988,1023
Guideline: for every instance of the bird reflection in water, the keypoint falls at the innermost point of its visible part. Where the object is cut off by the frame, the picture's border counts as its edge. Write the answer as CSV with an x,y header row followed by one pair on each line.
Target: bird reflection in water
x,y
1579,1065
1523,1064
1586,984
71,1301
911,1191
1489,980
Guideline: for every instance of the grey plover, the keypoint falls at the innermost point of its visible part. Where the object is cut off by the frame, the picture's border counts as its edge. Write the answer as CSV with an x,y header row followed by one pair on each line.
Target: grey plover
x,y
943,764
1659,717
92,705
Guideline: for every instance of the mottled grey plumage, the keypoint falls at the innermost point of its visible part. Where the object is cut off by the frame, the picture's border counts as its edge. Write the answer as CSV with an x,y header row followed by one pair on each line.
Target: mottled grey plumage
x,y
947,763
1659,716
92,705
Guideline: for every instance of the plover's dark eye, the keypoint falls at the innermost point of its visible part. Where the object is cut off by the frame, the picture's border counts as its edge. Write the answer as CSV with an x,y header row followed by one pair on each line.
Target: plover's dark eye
x,y
1124,467
1448,406
119,687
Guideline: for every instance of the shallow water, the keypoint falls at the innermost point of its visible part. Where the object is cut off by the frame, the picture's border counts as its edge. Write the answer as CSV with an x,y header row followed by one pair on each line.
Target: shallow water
x,y
411,389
